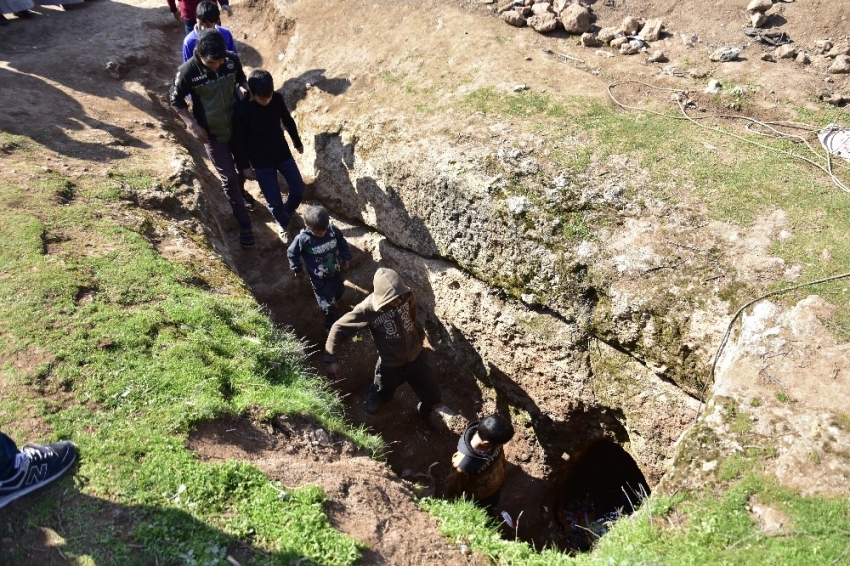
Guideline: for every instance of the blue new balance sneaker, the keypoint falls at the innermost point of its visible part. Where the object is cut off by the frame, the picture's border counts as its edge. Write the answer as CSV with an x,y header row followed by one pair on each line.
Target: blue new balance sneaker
x,y
35,467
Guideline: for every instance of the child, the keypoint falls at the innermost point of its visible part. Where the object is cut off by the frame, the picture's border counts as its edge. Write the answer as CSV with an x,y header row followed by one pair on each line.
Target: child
x,y
325,254
390,314
259,143
207,16
478,466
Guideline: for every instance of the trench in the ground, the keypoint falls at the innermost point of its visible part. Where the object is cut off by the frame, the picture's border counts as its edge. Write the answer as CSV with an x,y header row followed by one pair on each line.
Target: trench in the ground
x,y
550,483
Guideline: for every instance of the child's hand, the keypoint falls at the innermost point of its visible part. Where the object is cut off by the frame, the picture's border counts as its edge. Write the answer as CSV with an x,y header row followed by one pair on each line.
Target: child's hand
x,y
226,8
299,148
249,173
200,133
177,17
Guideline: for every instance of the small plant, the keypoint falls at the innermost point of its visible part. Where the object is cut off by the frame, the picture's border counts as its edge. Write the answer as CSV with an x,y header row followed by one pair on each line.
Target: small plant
x,y
782,397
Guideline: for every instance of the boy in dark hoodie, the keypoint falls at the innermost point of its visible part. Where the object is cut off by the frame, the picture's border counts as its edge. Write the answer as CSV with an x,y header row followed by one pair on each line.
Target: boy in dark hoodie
x,y
326,256
390,314
478,466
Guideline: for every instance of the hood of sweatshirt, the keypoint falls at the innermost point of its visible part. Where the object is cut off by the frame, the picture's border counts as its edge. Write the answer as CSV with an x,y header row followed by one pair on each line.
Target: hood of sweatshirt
x,y
387,286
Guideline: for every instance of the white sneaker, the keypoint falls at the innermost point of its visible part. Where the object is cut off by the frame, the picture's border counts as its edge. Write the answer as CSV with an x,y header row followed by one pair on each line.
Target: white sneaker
x,y
283,234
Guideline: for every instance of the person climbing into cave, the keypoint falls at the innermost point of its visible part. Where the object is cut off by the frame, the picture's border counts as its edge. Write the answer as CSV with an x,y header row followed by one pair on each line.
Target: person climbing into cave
x,y
478,466
258,142
31,467
326,255
390,314
211,78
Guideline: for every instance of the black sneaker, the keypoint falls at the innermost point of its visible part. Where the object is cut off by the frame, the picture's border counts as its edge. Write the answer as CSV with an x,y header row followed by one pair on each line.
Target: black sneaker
x,y
246,238
35,467
250,201
370,404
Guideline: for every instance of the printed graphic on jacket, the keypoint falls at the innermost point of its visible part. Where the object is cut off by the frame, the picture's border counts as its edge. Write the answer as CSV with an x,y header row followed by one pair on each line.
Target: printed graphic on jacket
x,y
387,322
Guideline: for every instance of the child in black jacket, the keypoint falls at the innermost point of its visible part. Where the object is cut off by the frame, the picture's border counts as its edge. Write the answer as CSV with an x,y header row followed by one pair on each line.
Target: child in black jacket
x,y
259,144
326,255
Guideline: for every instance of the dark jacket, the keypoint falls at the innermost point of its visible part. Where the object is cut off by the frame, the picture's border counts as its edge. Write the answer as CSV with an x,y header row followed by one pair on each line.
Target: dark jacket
x,y
478,474
321,255
213,93
397,335
257,135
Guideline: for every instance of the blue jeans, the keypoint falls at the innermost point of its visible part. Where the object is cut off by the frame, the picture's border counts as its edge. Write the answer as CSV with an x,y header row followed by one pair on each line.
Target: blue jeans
x,y
8,450
267,179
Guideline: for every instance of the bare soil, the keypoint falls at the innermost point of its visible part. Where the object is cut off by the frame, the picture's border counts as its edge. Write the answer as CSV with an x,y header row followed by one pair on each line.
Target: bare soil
x,y
89,85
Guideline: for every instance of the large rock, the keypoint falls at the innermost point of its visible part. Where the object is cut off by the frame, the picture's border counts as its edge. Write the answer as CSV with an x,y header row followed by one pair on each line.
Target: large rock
x,y
630,25
576,19
840,48
607,34
840,66
758,19
759,5
540,8
513,18
543,23
589,40
651,29
559,5
787,51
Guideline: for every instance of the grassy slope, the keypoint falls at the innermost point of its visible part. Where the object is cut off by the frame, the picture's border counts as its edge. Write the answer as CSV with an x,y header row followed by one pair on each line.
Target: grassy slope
x,y
130,351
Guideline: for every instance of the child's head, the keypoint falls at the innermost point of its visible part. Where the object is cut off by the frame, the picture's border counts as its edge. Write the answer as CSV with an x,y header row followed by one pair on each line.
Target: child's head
x,y
211,48
261,85
495,430
317,220
207,14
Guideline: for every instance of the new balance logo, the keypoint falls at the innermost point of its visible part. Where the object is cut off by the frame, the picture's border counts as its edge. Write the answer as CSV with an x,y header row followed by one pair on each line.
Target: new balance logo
x,y
36,474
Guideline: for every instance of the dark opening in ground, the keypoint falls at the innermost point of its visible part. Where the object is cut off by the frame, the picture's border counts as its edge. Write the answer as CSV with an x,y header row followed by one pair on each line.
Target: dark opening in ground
x,y
604,485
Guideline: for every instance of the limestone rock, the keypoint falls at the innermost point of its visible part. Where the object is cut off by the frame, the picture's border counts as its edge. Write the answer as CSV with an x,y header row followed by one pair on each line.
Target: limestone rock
x,y
632,47
630,25
559,5
525,12
543,23
803,58
787,51
759,5
657,56
840,48
589,40
651,29
505,6
513,18
616,43
768,57
689,39
840,66
822,46
576,19
607,34
540,8
758,19
725,54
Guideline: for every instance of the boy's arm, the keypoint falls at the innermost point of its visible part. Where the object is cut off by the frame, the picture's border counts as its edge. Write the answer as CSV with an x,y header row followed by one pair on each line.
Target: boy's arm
x,y
172,5
456,480
241,79
177,97
348,325
289,125
225,5
188,47
293,254
342,246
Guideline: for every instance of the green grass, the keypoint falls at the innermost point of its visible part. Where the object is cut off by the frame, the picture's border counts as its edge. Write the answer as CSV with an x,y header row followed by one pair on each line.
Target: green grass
x,y
111,346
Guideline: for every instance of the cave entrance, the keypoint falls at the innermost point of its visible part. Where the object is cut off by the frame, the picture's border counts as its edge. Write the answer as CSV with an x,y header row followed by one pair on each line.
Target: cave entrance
x,y
604,484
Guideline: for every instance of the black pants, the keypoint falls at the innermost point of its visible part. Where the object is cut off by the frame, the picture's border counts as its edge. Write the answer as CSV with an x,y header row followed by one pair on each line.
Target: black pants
x,y
417,373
